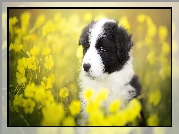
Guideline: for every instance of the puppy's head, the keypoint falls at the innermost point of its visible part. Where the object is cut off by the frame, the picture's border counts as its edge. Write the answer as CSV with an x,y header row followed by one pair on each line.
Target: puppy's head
x,y
106,48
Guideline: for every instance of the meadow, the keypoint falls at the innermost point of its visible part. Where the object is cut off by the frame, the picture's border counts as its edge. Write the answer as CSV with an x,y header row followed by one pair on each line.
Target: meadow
x,y
45,59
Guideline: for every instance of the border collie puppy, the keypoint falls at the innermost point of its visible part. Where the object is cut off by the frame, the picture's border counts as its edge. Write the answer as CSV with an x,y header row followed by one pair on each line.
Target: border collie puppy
x,y
107,62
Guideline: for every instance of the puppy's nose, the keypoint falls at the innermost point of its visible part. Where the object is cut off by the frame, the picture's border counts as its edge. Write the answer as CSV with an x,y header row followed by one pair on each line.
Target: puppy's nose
x,y
86,67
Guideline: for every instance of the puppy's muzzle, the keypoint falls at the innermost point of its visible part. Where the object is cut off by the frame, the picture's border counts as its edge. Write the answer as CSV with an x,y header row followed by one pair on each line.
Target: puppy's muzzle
x,y
86,67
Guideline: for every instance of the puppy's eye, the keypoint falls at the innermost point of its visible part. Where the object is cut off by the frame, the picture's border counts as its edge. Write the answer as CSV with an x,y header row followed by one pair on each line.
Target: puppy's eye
x,y
102,50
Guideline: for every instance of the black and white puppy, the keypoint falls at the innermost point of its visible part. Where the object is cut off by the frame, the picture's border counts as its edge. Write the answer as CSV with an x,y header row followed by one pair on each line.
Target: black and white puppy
x,y
107,62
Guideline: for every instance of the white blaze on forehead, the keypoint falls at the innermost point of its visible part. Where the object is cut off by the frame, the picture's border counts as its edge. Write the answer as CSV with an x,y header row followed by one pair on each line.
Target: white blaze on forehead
x,y
97,30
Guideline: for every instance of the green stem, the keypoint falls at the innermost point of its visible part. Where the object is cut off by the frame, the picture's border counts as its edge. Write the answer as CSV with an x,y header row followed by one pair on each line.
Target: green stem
x,y
24,120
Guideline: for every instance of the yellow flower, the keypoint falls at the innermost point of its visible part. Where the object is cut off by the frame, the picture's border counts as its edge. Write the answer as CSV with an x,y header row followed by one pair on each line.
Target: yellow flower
x,y
15,103
124,22
165,71
11,47
141,18
32,63
26,38
49,62
49,98
57,17
114,106
12,22
75,107
88,93
18,100
29,105
151,57
152,30
30,90
33,37
16,47
92,107
21,77
22,64
87,17
165,48
63,92
47,28
53,114
162,32
110,120
155,97
46,51
96,118
40,94
69,121
121,118
46,83
117,119
52,77
40,20
133,109
149,21
153,120
18,32
34,51
102,95
25,19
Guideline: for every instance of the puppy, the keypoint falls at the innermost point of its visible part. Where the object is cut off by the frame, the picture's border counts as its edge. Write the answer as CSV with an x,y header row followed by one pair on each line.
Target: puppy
x,y
107,62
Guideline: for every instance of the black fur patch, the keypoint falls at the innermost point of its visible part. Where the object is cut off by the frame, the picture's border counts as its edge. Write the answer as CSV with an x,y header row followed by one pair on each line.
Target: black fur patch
x,y
124,44
136,85
84,37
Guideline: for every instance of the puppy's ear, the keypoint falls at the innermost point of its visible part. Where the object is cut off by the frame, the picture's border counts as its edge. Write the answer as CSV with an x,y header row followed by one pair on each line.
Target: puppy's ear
x,y
123,43
79,42
84,37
